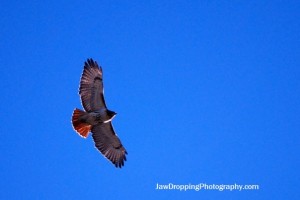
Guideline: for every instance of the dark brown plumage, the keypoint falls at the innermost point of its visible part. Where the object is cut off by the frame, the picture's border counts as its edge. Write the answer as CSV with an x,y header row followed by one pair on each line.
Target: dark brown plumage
x,y
96,117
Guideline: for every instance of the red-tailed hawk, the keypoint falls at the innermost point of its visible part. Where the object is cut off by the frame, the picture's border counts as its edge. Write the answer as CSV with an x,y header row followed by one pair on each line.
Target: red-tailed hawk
x,y
97,118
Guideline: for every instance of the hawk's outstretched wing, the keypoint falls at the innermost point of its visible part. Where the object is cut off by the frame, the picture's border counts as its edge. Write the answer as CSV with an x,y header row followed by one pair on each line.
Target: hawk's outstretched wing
x,y
108,143
91,87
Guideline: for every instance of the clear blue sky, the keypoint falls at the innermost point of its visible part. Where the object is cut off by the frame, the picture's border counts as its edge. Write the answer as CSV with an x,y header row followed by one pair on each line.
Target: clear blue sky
x,y
205,91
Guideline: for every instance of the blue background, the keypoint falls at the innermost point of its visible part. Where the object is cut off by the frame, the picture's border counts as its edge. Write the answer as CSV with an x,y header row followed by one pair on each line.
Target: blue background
x,y
205,91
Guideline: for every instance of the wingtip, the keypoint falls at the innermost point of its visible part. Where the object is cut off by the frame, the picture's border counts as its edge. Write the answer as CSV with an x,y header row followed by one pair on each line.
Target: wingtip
x,y
120,163
90,63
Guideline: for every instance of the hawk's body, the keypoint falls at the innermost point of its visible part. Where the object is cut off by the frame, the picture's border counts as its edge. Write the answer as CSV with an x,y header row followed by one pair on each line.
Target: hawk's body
x,y
96,117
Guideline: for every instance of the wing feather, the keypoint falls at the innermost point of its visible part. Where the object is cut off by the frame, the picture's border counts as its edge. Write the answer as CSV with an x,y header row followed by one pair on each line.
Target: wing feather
x,y
91,87
108,143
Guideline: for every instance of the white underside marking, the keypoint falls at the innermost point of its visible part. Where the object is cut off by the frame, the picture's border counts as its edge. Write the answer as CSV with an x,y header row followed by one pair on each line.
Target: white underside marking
x,y
107,121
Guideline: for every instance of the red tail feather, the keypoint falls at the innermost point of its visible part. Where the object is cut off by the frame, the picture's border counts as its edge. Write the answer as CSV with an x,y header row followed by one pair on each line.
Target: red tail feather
x,y
81,128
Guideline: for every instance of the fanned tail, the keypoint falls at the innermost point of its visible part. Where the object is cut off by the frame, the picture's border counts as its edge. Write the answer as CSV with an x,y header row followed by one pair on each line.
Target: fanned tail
x,y
81,128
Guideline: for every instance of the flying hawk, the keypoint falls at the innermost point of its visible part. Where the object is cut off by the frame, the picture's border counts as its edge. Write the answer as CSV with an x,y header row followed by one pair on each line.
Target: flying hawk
x,y
97,118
